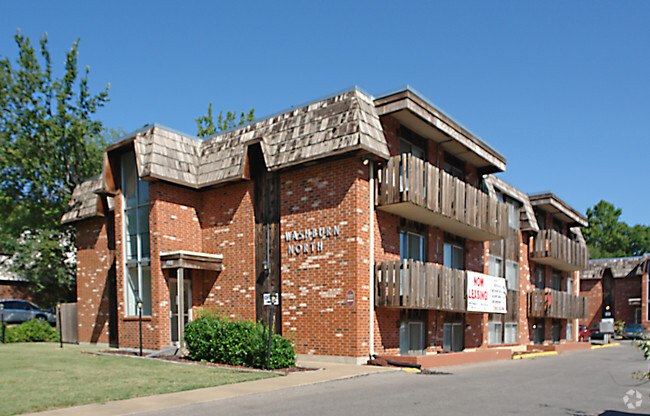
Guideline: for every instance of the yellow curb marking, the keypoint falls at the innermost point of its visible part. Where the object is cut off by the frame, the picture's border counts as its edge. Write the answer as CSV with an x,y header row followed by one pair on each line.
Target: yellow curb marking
x,y
535,354
411,370
614,344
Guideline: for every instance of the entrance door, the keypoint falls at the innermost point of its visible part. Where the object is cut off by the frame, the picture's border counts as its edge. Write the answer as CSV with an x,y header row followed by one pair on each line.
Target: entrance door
x,y
173,304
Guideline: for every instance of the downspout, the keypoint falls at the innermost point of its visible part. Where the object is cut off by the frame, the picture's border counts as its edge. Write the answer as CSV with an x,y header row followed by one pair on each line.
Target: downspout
x,y
371,266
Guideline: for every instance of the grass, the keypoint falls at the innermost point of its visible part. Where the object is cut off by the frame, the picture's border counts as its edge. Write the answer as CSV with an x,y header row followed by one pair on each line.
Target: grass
x,y
41,376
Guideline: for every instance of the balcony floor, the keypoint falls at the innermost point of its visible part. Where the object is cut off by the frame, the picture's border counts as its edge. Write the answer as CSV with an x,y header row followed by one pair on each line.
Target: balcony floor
x,y
451,225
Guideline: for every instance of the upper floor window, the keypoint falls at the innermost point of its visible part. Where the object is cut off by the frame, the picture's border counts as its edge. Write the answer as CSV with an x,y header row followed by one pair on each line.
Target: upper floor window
x,y
406,146
556,283
513,213
411,246
454,166
538,278
454,253
135,194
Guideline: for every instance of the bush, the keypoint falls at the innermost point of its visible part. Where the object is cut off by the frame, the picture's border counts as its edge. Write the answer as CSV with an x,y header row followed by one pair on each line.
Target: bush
x,y
35,330
216,339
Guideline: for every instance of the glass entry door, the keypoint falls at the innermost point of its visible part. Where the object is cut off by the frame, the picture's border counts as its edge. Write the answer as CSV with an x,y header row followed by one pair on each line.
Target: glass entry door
x,y
173,304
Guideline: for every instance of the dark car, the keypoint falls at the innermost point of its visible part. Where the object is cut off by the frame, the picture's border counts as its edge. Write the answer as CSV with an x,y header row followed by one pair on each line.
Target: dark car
x,y
594,332
17,311
633,331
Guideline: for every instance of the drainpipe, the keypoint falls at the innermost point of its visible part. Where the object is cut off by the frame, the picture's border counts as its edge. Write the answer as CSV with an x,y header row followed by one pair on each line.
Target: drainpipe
x,y
371,266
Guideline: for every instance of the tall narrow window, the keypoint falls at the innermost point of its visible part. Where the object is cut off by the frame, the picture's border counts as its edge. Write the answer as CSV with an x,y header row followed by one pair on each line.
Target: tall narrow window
x,y
411,246
136,237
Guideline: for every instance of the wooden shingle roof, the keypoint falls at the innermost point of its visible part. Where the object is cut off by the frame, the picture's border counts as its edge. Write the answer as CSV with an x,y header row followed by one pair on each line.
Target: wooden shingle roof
x,y
84,202
344,122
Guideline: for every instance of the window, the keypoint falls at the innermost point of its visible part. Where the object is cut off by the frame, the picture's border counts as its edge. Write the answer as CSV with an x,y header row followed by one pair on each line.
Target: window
x,y
569,331
453,255
407,147
512,275
454,166
495,330
513,214
557,281
510,333
538,279
135,193
411,246
496,266
569,286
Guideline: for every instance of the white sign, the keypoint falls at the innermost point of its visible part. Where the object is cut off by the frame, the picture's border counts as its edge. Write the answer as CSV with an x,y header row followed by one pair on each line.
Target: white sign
x,y
271,298
486,293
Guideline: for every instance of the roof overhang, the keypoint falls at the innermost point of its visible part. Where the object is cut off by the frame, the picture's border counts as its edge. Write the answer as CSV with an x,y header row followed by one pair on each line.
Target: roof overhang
x,y
558,208
419,115
182,259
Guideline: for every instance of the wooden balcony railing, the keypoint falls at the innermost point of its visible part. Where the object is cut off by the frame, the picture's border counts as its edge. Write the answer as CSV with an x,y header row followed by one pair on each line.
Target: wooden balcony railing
x,y
417,190
414,284
550,303
552,248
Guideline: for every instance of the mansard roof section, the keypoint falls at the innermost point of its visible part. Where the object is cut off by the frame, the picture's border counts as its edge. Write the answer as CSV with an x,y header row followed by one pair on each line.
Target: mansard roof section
x,y
620,267
549,202
526,214
417,113
85,201
344,122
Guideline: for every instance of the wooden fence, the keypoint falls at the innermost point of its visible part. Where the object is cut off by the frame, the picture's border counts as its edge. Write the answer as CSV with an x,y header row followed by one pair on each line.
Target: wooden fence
x,y
414,284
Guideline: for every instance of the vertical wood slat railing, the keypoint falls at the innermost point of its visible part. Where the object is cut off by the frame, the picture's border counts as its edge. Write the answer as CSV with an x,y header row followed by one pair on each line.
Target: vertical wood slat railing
x,y
414,284
550,303
550,243
406,178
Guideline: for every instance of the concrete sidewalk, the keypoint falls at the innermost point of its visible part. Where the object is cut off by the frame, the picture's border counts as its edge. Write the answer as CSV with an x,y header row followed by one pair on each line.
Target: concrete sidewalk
x,y
325,372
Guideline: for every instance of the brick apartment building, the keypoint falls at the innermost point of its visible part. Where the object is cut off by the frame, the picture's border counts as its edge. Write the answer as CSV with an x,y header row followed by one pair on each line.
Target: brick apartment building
x,y
376,219
621,284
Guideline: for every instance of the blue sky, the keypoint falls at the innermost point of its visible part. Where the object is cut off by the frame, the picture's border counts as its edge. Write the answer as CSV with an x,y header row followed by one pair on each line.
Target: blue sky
x,y
560,88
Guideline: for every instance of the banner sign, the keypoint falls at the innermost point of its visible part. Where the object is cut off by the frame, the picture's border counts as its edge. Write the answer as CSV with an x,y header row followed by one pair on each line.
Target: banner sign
x,y
486,293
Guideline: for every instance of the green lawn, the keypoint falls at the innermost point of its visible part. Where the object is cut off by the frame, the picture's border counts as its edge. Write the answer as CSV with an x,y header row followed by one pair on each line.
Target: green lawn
x,y
40,376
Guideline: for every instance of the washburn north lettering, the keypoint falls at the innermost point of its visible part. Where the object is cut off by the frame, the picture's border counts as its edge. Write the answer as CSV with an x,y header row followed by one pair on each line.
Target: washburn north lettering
x,y
309,234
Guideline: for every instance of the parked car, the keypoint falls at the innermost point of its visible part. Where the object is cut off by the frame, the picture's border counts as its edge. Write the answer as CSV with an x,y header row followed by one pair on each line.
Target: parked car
x,y
583,333
16,311
633,331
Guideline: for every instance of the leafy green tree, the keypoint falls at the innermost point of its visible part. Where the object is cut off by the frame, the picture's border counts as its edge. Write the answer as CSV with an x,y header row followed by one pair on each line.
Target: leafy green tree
x,y
49,143
207,127
607,236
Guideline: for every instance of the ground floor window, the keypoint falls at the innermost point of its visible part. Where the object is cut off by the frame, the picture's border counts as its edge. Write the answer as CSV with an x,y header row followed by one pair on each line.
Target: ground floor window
x,y
495,331
452,332
138,288
510,333
411,338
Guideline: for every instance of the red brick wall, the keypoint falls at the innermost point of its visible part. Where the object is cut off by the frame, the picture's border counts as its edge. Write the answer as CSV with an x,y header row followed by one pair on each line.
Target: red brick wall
x,y
524,328
93,262
593,290
314,285
228,228
624,289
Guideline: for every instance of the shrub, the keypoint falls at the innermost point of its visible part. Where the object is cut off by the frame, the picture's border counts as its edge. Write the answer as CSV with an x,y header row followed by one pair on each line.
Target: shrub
x,y
216,339
35,330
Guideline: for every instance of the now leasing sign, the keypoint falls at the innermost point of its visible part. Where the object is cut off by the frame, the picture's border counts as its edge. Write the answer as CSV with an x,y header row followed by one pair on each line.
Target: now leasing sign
x,y
485,293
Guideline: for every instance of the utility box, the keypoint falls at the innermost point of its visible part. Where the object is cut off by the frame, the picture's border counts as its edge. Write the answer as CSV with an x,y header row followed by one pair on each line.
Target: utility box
x,y
607,325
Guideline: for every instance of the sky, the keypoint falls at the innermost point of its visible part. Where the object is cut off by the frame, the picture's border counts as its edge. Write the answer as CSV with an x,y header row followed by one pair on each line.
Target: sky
x,y
560,88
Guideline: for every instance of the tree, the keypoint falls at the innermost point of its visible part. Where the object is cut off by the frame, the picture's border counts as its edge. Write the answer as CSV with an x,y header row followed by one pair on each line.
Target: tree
x,y
49,143
207,127
607,236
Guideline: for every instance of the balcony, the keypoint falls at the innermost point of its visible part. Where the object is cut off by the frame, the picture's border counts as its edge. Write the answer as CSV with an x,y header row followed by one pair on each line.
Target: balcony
x,y
417,190
550,303
559,251
413,284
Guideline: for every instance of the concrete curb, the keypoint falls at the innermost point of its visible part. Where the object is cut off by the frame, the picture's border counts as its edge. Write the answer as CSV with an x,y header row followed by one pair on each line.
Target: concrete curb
x,y
533,355
614,344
